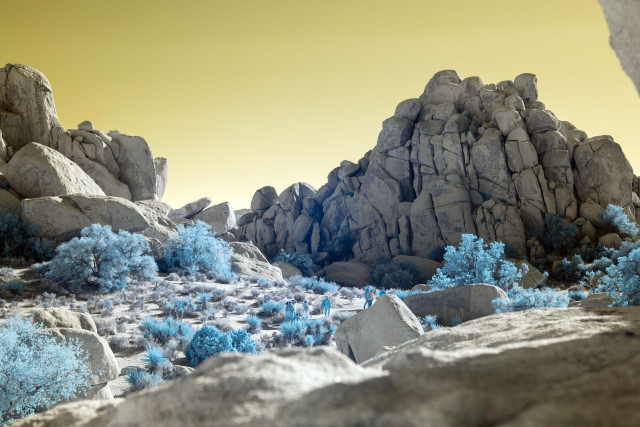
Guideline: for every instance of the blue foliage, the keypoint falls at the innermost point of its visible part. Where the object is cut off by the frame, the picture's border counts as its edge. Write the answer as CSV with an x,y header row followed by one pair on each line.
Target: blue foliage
x,y
181,307
314,284
475,262
300,260
402,275
298,331
613,216
154,359
18,239
101,259
197,249
13,286
557,233
254,323
430,323
576,295
209,341
139,379
456,320
37,371
571,270
403,294
162,331
520,299
270,308
622,280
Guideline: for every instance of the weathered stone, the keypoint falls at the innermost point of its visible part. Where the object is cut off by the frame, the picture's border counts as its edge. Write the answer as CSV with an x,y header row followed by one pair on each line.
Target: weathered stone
x,y
62,218
137,169
527,85
109,184
220,217
408,109
541,121
348,273
610,240
288,270
395,132
264,198
9,204
387,323
466,302
190,209
38,171
160,226
291,198
426,265
162,176
507,119
60,317
248,261
533,278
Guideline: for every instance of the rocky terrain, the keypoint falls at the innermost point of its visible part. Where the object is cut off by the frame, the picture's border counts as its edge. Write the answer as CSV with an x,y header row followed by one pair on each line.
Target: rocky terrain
x,y
464,158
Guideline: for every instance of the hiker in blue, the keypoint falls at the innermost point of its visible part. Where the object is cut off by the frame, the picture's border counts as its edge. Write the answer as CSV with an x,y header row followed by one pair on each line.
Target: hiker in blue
x,y
304,311
290,312
382,292
326,305
369,293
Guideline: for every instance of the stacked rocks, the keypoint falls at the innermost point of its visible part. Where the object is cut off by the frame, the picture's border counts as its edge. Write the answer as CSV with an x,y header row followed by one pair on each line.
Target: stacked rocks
x,y
464,157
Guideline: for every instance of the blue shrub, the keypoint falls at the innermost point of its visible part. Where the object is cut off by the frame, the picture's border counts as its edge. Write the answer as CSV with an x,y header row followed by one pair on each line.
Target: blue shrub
x,y
254,323
430,323
197,249
299,260
139,379
37,371
614,217
524,299
18,239
622,280
456,320
402,275
475,262
154,360
576,295
102,260
293,330
181,307
557,234
314,284
14,286
571,270
162,331
403,294
270,308
209,341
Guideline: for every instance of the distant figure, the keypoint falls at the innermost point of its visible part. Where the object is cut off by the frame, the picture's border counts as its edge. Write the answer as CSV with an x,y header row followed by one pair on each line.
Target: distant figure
x,y
326,305
382,292
369,293
290,312
304,311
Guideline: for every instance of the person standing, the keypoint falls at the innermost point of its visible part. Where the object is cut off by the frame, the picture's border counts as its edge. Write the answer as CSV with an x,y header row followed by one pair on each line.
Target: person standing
x,y
369,294
304,311
326,305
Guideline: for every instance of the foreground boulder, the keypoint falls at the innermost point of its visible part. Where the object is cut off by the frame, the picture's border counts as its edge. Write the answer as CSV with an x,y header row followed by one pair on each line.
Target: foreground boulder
x,y
248,261
62,218
463,302
387,323
548,367
58,317
39,171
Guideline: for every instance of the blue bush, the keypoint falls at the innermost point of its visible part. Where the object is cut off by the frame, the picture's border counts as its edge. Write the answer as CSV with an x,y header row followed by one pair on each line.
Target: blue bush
x,y
21,240
102,260
139,379
614,217
314,284
571,270
254,323
154,359
181,307
524,299
299,260
209,341
37,371
162,331
404,294
557,234
475,262
402,275
576,295
430,323
197,249
14,286
622,280
270,308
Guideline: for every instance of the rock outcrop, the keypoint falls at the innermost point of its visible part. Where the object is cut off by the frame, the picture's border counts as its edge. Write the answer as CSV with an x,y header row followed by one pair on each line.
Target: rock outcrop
x,y
580,370
247,261
464,157
388,322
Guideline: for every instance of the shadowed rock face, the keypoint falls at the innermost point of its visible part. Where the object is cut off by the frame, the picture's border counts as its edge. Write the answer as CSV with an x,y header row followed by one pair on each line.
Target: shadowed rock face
x,y
539,367
464,157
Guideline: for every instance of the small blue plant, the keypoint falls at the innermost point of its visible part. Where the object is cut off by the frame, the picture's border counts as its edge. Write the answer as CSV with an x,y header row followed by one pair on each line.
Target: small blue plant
x,y
314,284
525,299
139,379
456,320
614,217
299,260
430,323
154,359
271,308
576,295
162,331
181,307
209,341
622,279
403,275
254,323
13,286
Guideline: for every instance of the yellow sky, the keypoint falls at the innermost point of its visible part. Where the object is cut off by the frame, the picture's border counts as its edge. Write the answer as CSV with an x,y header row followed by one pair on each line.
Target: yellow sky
x,y
242,94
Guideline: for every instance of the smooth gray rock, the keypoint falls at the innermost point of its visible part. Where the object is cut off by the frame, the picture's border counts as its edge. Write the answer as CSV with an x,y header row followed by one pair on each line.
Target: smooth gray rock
x,y
220,217
39,171
160,226
527,85
408,109
137,169
288,270
162,176
247,260
387,323
61,317
9,204
467,302
264,198
395,133
426,265
190,209
62,218
348,273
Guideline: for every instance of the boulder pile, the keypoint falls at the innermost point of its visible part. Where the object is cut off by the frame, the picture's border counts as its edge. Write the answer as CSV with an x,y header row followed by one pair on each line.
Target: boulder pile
x,y
464,157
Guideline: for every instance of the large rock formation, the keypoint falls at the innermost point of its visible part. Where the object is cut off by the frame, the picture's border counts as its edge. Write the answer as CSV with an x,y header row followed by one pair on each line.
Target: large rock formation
x,y
545,367
464,157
